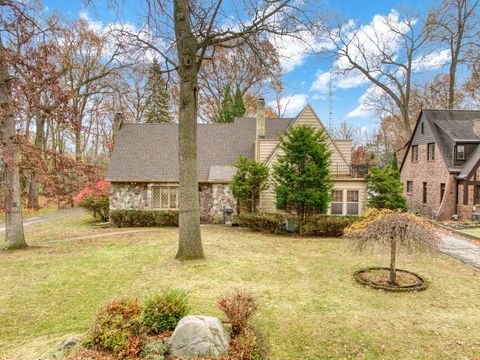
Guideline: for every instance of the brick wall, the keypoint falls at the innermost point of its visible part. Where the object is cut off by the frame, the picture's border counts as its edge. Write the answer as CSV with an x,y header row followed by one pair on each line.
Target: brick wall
x,y
433,173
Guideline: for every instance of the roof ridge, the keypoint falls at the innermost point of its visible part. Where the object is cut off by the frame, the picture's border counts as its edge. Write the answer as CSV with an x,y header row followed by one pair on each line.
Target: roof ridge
x,y
471,110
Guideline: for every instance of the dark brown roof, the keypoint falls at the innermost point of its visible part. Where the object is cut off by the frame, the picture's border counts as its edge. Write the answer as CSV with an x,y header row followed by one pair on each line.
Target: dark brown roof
x,y
149,152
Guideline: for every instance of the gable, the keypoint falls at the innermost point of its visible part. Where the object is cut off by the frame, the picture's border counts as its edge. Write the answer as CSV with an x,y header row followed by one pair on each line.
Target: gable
x,y
340,152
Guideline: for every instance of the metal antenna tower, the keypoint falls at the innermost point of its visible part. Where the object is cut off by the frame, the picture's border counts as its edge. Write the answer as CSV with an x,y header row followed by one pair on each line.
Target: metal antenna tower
x,y
330,102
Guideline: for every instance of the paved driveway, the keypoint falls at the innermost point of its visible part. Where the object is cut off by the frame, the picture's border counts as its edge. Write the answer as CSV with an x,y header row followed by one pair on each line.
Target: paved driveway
x,y
459,248
53,216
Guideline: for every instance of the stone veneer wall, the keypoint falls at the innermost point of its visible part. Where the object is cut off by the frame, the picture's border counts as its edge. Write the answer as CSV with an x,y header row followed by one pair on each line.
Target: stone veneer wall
x,y
129,196
137,196
213,199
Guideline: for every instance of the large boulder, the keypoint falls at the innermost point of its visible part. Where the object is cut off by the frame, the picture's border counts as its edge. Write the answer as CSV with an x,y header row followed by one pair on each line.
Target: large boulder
x,y
199,336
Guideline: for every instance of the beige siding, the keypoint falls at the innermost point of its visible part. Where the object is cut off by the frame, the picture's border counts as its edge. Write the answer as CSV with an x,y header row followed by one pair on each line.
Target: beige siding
x,y
345,147
308,117
266,147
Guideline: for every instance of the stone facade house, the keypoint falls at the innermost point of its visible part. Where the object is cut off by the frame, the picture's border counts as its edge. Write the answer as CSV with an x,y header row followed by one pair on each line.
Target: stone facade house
x,y
440,168
144,168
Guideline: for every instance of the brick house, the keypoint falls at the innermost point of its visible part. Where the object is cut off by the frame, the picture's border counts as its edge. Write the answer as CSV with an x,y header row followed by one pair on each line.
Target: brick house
x,y
144,174
440,166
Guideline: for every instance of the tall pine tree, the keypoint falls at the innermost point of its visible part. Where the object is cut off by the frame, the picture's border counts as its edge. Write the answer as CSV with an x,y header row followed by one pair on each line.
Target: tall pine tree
x,y
238,104
225,114
157,104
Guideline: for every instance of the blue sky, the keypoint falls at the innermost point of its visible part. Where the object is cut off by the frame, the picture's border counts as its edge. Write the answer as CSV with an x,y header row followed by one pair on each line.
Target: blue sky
x,y
302,71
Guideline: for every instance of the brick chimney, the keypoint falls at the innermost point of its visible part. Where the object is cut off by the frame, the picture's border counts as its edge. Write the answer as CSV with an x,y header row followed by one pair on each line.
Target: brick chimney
x,y
118,120
260,118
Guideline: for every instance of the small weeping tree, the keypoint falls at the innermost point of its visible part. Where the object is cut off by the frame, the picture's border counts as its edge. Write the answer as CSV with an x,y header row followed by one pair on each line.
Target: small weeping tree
x,y
394,230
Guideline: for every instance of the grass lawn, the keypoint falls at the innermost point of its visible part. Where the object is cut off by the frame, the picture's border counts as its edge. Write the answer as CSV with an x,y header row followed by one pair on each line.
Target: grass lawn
x,y
309,305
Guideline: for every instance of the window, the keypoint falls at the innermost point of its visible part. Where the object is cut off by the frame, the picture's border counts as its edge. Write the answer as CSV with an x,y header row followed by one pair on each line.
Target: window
x,y
415,153
460,152
409,187
352,202
422,126
442,191
337,202
165,197
424,193
431,151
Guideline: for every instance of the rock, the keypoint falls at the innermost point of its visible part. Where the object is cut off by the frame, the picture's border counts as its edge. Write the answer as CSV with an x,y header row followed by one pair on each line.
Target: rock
x,y
199,336
68,344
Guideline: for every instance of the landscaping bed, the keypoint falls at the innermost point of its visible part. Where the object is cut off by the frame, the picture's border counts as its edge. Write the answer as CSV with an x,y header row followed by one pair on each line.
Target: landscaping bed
x,y
378,278
309,305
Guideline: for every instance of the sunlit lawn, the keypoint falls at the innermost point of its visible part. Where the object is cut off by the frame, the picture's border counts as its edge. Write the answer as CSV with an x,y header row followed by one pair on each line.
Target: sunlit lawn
x,y
310,308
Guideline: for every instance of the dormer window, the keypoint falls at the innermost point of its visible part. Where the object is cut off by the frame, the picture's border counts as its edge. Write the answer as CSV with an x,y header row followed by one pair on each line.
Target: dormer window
x,y
460,152
422,128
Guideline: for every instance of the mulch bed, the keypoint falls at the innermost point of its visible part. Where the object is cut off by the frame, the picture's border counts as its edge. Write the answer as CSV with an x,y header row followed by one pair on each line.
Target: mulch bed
x,y
378,278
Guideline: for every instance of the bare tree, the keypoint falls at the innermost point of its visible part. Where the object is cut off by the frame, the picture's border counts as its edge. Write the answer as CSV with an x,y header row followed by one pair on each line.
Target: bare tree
x,y
347,131
199,29
240,67
10,156
92,57
456,24
384,54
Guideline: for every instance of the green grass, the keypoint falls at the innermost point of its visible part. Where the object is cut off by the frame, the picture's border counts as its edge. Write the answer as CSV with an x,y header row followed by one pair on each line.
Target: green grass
x,y
309,305
472,231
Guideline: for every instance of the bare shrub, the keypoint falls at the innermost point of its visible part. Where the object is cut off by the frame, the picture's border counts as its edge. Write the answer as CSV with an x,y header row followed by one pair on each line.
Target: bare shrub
x,y
239,307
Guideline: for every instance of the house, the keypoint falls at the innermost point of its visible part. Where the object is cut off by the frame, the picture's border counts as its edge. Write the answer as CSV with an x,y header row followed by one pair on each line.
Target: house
x,y
144,168
440,166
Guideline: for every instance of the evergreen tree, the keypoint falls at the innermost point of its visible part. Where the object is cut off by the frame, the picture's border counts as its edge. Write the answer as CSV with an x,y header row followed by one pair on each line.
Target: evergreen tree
x,y
157,105
251,178
238,104
226,112
302,175
385,190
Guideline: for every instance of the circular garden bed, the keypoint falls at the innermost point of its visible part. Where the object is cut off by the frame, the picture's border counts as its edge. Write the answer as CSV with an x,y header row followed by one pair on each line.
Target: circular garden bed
x,y
377,278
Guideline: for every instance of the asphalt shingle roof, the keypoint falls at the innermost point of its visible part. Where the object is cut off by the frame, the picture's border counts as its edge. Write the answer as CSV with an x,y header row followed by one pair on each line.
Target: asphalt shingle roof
x,y
452,126
149,152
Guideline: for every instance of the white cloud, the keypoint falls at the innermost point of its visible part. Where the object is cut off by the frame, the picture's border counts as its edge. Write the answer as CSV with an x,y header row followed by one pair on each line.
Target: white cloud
x,y
434,60
291,105
294,50
364,110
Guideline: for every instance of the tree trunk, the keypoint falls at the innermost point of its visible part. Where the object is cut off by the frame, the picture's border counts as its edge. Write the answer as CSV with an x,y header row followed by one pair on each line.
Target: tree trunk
x,y
34,184
14,237
190,241
78,144
253,208
301,219
393,254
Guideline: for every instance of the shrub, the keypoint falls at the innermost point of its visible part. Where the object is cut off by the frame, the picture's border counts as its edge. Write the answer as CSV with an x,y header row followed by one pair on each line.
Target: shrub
x,y
317,225
239,308
326,225
96,199
155,351
116,327
270,223
132,218
164,310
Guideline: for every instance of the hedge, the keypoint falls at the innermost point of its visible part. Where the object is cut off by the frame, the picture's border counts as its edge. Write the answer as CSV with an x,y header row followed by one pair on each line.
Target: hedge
x,y
133,218
270,223
328,225
316,225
